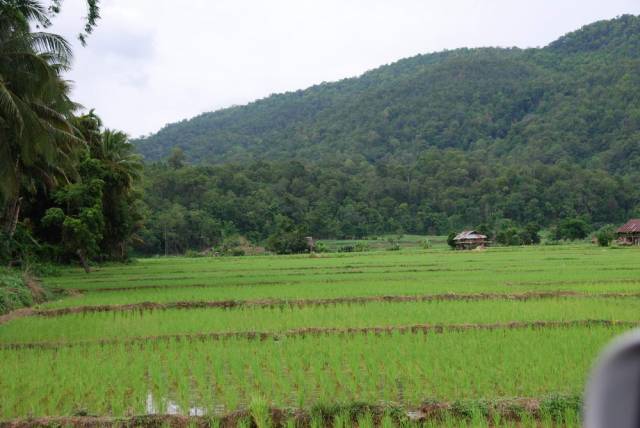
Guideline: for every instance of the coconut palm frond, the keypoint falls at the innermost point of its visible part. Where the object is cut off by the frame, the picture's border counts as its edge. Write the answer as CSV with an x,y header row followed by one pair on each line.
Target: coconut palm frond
x,y
8,108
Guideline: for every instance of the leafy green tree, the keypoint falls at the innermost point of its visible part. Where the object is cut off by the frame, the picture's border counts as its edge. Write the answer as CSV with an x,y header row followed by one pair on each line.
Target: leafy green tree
x,y
176,160
508,235
172,222
572,229
80,225
287,238
484,229
288,242
605,235
530,234
121,170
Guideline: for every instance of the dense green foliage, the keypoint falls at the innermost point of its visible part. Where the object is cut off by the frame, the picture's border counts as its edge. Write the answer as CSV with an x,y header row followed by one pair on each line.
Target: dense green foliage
x,y
92,215
434,143
197,206
67,184
605,235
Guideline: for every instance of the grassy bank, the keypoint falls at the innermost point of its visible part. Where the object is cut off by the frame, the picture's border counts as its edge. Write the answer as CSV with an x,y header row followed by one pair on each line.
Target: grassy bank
x,y
19,289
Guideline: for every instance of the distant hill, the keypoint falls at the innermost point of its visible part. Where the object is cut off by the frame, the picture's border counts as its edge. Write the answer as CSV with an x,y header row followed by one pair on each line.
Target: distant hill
x,y
575,100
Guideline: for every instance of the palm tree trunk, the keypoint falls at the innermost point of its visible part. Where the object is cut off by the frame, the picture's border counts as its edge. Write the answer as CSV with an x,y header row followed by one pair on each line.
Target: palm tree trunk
x,y
11,216
12,209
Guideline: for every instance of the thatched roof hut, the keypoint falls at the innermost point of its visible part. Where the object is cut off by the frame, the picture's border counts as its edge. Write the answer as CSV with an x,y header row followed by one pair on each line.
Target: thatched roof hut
x,y
629,233
469,239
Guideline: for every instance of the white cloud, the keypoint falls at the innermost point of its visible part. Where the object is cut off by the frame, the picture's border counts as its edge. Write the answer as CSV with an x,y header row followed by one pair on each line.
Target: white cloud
x,y
151,62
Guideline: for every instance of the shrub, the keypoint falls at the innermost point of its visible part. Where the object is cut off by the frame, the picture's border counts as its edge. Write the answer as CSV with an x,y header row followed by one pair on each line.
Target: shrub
x,y
508,236
291,242
13,292
572,229
530,234
450,242
320,247
605,235
19,290
361,247
358,247
193,254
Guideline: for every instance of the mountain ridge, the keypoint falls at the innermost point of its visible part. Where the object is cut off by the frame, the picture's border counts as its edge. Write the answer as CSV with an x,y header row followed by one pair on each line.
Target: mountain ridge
x,y
574,100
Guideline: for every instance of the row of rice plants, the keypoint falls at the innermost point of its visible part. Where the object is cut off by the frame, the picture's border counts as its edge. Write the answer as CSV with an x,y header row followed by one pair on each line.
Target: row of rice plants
x,y
572,263
208,377
106,325
572,268
310,289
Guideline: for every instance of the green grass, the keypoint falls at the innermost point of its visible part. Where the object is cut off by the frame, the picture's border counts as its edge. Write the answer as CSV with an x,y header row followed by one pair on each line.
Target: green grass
x,y
321,370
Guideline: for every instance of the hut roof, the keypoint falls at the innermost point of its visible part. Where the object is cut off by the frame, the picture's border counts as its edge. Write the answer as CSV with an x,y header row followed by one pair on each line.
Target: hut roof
x,y
469,234
632,226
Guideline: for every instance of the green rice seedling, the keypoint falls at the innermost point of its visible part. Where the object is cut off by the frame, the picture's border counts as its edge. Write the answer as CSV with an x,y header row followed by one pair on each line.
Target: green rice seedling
x,y
527,420
558,407
260,412
387,420
575,268
244,422
365,420
109,375
478,419
342,419
316,421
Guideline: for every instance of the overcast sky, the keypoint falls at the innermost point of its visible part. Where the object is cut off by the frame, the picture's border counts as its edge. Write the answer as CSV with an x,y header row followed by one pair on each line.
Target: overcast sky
x,y
152,62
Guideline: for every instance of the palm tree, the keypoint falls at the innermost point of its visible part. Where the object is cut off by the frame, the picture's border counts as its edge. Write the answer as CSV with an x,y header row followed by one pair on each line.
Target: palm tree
x,y
120,158
119,168
123,168
37,140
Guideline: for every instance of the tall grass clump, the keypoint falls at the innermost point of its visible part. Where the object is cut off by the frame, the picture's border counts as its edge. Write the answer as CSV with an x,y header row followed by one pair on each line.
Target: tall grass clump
x,y
20,290
260,412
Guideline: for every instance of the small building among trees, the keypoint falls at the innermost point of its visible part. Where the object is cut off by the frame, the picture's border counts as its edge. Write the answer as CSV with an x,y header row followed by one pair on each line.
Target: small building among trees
x,y
469,239
629,233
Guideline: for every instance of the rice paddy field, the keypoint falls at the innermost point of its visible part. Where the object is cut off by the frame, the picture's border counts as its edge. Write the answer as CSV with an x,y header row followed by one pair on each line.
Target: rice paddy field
x,y
416,337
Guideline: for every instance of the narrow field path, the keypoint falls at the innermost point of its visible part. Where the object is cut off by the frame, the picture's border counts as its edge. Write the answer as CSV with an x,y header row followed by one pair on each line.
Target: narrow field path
x,y
321,331
274,303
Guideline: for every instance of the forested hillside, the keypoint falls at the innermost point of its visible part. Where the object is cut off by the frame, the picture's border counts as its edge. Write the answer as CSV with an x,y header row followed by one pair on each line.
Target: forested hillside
x,y
575,100
502,139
